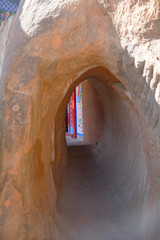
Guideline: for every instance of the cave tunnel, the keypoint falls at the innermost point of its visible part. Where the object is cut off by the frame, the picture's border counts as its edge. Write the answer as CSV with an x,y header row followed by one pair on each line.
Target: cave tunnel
x,y
99,181
106,187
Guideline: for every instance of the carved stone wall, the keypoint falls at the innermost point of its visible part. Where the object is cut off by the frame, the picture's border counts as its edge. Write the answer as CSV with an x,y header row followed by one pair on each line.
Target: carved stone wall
x,y
48,49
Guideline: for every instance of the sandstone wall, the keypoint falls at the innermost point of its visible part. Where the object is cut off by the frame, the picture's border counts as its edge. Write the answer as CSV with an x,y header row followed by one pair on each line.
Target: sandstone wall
x,y
51,47
93,116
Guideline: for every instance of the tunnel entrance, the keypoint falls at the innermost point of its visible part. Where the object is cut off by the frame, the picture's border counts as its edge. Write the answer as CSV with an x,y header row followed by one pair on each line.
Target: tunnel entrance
x,y
101,194
112,182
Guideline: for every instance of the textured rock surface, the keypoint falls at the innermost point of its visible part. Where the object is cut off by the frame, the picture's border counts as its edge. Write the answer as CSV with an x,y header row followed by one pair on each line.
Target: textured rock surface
x,y
50,48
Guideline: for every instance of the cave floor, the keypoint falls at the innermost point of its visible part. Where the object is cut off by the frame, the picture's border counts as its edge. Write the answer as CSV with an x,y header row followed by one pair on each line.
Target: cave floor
x,y
89,207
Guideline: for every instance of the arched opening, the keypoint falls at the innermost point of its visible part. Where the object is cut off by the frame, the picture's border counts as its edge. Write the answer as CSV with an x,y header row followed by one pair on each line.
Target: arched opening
x,y
43,58
100,186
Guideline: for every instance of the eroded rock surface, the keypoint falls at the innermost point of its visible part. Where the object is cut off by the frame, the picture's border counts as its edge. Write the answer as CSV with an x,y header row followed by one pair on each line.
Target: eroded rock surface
x,y
46,50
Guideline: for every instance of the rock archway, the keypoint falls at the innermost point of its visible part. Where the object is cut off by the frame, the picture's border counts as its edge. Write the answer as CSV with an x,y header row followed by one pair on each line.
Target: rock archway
x,y
47,49
110,178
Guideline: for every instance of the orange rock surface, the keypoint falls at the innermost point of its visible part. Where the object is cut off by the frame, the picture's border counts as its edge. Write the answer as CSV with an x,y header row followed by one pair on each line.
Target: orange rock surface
x,y
46,50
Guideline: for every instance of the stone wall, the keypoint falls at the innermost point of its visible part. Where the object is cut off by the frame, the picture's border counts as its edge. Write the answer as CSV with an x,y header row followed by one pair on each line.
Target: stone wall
x,y
48,49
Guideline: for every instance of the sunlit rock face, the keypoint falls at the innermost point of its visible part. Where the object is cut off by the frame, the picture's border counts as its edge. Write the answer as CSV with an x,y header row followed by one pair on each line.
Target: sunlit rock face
x,y
46,50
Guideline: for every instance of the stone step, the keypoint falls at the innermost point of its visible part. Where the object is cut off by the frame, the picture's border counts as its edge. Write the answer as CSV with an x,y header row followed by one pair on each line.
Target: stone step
x,y
79,149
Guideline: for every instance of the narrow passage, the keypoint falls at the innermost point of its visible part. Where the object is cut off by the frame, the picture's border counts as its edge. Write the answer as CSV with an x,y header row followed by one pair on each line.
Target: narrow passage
x,y
89,208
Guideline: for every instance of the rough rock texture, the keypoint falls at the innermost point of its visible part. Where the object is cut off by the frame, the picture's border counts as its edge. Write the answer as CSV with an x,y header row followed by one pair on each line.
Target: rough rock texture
x,y
52,46
93,113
